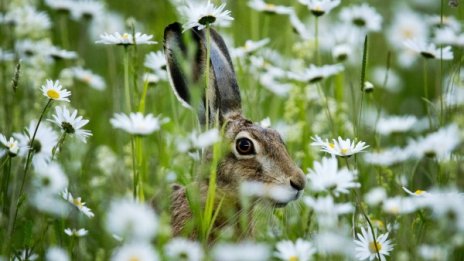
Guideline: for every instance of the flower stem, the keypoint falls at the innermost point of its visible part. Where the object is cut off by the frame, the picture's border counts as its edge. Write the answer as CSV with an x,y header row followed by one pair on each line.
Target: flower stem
x,y
134,170
30,155
58,145
5,182
316,41
126,80
426,93
207,69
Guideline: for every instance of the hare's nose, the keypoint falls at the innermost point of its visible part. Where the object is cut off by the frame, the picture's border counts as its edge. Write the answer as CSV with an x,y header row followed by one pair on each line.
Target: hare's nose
x,y
297,184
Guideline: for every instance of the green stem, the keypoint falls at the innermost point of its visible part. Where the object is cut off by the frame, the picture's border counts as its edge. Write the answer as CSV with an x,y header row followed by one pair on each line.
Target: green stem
x,y
5,183
134,170
426,93
58,145
30,155
126,80
440,85
64,29
359,203
207,69
316,41
139,161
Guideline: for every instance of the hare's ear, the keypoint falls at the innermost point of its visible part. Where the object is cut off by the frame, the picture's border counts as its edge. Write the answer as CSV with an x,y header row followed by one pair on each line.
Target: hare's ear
x,y
225,95
178,64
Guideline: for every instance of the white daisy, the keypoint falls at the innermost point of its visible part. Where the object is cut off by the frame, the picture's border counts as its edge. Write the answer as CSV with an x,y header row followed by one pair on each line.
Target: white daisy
x,y
249,47
388,157
6,56
366,248
132,220
78,203
137,123
151,78
446,36
325,176
87,9
87,76
446,205
300,250
417,193
181,248
125,39
334,242
399,205
395,124
363,17
72,232
155,61
340,147
433,253
54,91
60,5
56,254
10,147
315,73
406,25
28,21
135,251
261,6
440,143
341,52
50,178
70,123
375,196
429,51
327,211
202,15
320,7
60,54
45,140
241,251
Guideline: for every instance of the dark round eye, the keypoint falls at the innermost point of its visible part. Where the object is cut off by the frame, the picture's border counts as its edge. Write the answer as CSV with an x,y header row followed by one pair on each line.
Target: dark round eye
x,y
244,146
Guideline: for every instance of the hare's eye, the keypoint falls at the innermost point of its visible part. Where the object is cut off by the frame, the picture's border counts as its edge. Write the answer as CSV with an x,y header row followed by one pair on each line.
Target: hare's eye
x,y
244,146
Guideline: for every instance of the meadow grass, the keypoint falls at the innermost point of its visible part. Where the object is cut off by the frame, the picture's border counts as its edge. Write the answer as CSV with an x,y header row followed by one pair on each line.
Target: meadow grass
x,y
422,154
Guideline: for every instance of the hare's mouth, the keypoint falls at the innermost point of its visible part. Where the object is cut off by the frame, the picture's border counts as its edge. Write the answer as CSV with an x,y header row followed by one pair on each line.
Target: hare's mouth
x,y
281,204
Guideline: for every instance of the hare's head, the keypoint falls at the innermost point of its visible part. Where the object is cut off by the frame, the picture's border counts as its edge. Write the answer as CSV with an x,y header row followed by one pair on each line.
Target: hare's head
x,y
257,155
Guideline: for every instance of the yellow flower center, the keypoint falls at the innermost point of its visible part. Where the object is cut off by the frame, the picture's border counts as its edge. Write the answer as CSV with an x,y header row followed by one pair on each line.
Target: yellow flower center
x,y
331,145
78,202
374,247
87,79
408,33
53,94
419,192
293,258
378,223
134,258
344,151
270,7
125,36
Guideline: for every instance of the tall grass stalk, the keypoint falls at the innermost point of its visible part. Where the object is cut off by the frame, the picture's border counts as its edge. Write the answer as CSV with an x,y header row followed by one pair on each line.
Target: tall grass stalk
x,y
208,217
127,92
363,79
30,155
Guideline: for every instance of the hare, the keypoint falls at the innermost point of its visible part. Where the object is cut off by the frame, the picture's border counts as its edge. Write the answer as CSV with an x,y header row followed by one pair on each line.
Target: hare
x,y
256,154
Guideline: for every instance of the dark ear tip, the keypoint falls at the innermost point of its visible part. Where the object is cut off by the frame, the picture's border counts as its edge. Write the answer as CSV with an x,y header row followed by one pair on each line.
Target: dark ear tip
x,y
175,27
